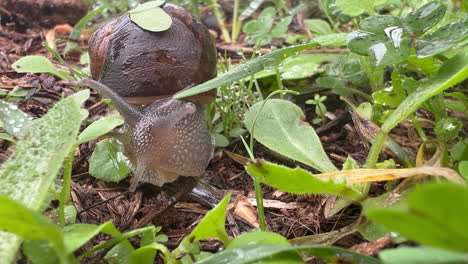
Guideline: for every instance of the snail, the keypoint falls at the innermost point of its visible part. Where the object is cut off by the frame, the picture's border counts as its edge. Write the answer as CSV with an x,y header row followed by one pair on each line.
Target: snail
x,y
167,138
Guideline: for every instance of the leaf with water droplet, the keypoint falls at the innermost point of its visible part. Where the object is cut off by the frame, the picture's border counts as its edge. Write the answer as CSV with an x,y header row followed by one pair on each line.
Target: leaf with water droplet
x,y
442,39
425,17
378,24
150,16
14,120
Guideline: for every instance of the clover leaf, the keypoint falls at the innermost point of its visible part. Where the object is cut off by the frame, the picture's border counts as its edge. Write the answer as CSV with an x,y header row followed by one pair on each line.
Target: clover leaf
x,y
388,39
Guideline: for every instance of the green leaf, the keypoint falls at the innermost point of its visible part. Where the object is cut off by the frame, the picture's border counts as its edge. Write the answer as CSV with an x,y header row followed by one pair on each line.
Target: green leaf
x,y
40,252
337,85
77,235
442,39
392,96
220,140
5,136
38,64
281,27
453,71
14,120
280,127
146,254
30,171
437,215
318,26
265,62
266,238
355,7
463,169
359,42
258,237
100,127
151,17
297,180
107,162
300,67
212,225
421,255
262,24
379,24
371,230
257,253
425,17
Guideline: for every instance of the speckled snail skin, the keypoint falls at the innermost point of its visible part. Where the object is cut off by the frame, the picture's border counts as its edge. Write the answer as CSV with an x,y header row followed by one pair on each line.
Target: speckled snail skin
x,y
167,138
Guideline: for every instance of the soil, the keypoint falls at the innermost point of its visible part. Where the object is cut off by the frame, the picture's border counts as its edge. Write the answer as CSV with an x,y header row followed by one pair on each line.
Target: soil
x,y
97,201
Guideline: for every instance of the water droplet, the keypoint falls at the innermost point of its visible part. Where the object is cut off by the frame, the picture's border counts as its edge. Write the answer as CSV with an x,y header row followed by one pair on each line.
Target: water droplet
x,y
16,130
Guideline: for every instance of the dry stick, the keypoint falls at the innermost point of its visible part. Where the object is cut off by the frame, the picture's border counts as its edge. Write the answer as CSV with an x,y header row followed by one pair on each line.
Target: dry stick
x,y
102,202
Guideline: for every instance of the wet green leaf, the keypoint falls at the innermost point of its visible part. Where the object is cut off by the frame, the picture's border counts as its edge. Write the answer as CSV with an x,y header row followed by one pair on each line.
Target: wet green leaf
x,y
300,67
391,96
421,255
297,180
425,17
265,62
14,120
107,162
150,16
453,71
463,169
359,42
258,237
442,39
30,171
433,220
258,253
379,25
280,127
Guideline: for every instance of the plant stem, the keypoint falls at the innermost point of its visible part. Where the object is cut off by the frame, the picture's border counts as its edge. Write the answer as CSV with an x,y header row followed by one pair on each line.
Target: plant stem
x,y
195,8
220,19
418,128
361,94
65,193
375,150
235,22
325,10
257,187
259,200
375,74
115,241
279,82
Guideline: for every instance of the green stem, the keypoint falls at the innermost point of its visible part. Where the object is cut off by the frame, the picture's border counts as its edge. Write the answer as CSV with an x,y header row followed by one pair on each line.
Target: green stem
x,y
258,189
260,208
279,82
325,10
220,19
361,94
195,8
375,150
235,22
65,193
115,241
375,74
418,128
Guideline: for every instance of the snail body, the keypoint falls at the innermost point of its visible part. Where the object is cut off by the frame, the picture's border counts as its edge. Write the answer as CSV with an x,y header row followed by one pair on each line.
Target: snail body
x,y
167,138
